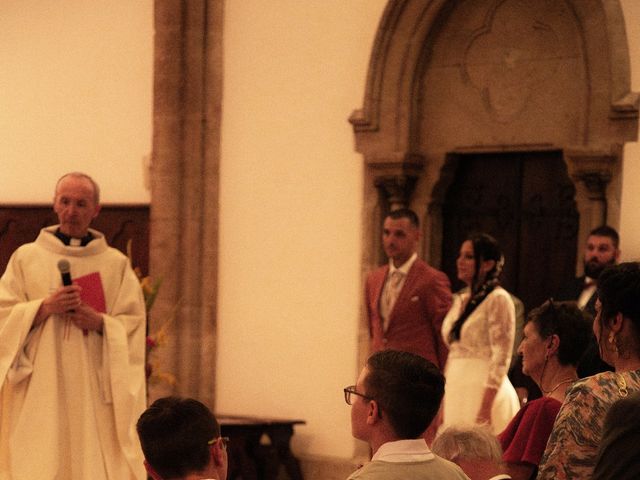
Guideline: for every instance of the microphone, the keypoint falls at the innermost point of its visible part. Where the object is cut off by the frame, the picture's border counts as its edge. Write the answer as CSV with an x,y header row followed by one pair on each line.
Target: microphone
x,y
65,271
65,274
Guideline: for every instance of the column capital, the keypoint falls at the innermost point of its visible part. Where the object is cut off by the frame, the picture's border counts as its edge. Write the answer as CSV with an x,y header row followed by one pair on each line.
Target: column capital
x,y
396,189
592,169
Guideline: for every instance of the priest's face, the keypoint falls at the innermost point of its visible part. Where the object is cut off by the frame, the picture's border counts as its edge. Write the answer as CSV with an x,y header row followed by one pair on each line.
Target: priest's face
x,y
75,204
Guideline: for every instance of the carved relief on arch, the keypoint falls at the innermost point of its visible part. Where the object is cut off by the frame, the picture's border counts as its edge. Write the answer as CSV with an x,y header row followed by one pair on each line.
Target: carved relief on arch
x,y
416,98
567,32
505,66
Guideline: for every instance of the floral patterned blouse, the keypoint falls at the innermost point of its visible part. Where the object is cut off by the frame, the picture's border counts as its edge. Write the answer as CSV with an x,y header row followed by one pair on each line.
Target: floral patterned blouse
x,y
573,445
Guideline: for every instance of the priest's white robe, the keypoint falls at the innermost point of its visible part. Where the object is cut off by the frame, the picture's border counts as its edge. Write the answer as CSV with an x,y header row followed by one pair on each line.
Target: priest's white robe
x,y
68,406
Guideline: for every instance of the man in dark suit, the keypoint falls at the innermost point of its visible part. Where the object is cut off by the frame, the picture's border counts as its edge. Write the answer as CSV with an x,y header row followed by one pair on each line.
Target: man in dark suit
x,y
393,401
407,299
602,249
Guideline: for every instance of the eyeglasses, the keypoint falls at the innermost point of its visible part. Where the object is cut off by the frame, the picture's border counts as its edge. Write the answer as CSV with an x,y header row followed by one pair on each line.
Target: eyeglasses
x,y
225,441
351,390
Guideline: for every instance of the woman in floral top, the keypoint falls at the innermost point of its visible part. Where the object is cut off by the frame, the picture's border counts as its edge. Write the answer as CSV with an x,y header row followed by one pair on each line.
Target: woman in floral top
x,y
573,444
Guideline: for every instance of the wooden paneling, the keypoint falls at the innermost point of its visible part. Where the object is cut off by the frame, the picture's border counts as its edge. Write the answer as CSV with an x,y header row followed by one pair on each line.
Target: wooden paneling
x,y
119,223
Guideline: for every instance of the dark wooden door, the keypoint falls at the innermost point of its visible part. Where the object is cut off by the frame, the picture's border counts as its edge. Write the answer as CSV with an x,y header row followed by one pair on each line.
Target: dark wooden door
x,y
526,201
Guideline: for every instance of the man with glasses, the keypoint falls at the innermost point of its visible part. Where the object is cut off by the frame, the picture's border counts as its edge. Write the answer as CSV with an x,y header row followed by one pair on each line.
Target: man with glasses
x,y
181,440
396,397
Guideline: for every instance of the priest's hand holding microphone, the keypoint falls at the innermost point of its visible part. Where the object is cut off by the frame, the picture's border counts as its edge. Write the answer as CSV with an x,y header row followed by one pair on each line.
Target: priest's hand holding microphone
x,y
66,302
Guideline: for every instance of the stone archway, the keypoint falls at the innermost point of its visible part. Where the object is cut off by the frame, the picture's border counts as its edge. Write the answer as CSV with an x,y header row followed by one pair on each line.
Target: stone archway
x,y
462,77
590,108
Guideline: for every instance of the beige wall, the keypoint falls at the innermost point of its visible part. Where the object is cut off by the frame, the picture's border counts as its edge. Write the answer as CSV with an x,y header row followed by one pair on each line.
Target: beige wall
x,y
630,220
290,212
291,195
75,94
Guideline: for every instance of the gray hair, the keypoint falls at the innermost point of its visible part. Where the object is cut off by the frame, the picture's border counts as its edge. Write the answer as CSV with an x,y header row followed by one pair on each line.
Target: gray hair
x,y
468,442
96,188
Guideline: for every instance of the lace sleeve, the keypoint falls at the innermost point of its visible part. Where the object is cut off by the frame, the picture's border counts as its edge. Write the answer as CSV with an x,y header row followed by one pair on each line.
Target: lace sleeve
x,y
501,319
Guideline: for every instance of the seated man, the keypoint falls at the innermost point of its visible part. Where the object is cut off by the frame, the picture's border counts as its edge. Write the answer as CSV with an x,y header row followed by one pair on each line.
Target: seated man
x,y
475,449
392,404
181,440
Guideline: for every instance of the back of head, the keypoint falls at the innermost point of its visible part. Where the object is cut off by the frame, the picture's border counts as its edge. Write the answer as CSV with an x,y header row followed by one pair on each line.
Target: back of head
x,y
470,443
408,389
569,323
619,292
174,434
485,247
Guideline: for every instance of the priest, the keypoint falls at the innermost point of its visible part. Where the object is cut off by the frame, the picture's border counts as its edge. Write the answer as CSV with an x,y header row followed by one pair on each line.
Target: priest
x,y
72,354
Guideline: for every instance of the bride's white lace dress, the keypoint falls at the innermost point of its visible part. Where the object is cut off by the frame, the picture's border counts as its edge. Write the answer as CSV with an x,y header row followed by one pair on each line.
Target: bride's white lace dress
x,y
480,359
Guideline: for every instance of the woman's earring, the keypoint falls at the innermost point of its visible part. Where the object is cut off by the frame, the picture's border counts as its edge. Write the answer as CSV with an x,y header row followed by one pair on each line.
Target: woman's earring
x,y
612,341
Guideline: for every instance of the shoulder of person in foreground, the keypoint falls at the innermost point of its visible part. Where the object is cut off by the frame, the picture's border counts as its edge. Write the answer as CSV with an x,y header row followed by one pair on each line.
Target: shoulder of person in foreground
x,y
436,468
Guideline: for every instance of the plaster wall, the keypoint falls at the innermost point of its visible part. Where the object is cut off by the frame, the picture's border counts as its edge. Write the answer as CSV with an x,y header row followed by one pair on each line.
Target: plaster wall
x,y
629,220
75,94
290,213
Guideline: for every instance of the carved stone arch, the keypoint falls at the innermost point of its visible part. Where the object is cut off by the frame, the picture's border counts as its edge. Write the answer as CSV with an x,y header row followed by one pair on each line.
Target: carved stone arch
x,y
397,132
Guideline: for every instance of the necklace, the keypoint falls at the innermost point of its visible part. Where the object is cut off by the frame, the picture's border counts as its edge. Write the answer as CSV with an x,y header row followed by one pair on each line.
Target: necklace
x,y
622,385
562,382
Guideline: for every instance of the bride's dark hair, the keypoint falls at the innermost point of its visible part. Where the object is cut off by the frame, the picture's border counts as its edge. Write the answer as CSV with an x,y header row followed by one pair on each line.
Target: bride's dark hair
x,y
485,247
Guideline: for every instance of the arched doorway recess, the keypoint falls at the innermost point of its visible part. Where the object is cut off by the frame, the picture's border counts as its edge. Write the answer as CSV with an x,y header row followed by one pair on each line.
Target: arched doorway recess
x,y
450,79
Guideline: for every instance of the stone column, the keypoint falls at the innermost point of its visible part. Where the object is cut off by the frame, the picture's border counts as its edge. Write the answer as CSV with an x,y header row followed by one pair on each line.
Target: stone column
x,y
396,190
591,172
184,190
393,176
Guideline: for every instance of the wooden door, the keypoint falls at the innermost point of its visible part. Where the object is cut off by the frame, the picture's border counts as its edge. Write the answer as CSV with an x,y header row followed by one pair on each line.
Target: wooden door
x,y
526,201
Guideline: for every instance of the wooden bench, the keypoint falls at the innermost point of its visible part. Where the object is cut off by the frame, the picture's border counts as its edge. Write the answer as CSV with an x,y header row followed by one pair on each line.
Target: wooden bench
x,y
258,447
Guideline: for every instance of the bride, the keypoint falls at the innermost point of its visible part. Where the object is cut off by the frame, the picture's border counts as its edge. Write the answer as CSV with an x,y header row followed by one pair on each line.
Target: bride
x,y
479,330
